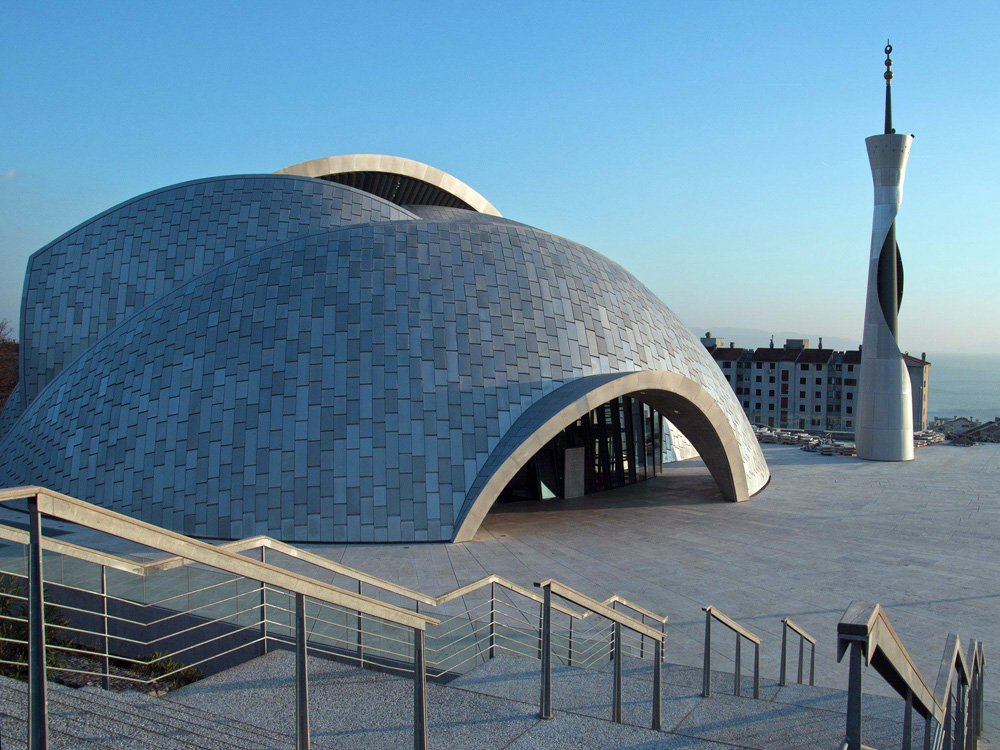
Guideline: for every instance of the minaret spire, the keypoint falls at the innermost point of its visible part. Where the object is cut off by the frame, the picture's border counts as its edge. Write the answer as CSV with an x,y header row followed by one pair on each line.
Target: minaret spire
x,y
888,88
883,421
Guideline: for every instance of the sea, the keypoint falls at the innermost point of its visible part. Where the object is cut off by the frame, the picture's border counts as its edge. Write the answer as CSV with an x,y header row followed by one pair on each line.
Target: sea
x,y
964,385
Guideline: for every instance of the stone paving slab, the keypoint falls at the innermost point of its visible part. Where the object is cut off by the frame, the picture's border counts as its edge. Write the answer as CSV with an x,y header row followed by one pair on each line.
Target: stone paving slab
x,y
921,538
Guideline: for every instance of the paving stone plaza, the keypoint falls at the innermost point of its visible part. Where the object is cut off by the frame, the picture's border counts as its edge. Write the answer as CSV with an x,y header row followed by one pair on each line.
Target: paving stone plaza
x,y
919,538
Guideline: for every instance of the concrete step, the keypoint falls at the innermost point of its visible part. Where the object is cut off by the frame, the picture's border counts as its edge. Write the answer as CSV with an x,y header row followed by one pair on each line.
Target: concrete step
x,y
221,730
355,708
789,717
67,728
496,706
98,718
14,729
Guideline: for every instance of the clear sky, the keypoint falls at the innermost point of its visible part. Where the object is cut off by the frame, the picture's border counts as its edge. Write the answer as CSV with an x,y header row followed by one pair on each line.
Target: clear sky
x,y
715,149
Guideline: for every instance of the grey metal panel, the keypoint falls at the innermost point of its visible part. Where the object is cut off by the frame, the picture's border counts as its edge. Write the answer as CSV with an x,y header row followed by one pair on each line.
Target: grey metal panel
x,y
11,411
85,283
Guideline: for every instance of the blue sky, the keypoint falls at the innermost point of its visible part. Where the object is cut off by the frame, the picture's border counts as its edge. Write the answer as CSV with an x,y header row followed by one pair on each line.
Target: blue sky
x,y
715,149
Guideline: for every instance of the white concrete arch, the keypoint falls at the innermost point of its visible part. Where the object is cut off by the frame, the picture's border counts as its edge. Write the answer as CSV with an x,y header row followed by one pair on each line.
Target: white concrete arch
x,y
397,165
684,402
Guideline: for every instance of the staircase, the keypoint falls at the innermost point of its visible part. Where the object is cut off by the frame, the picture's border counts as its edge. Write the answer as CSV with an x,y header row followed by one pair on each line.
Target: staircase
x,y
370,663
494,706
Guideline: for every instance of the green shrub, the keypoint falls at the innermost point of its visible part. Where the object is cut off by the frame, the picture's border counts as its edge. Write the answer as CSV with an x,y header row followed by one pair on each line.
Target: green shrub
x,y
14,627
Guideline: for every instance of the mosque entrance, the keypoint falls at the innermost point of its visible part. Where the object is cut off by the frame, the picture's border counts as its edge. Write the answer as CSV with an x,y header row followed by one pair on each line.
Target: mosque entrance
x,y
622,442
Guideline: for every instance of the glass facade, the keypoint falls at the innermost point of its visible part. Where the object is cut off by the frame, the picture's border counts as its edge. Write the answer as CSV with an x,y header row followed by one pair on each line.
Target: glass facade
x,y
622,442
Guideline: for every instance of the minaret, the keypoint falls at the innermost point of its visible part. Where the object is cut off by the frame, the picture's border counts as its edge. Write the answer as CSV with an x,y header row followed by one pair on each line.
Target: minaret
x,y
884,419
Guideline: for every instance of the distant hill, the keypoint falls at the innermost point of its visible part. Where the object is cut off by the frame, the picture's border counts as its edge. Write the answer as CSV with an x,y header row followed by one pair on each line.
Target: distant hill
x,y
752,338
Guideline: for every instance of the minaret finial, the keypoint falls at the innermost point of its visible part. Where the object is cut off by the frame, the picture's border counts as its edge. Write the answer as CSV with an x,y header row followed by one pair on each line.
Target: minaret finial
x,y
888,88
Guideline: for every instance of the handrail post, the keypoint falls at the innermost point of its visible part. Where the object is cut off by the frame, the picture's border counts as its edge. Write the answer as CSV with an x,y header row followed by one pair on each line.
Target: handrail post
x,y
663,650
908,722
38,721
541,617
611,655
545,707
948,722
616,705
737,676
105,660
569,659
928,731
419,691
706,678
979,698
263,605
973,733
301,676
802,656
642,638
982,678
960,715
361,628
493,619
756,670
657,684
852,739
784,648
812,665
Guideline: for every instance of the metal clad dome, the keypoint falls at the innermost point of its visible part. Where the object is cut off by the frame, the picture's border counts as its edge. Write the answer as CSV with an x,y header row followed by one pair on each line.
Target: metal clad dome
x,y
380,381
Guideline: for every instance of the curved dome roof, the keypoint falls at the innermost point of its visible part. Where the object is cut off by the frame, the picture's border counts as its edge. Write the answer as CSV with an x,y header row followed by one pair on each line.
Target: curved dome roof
x,y
374,382
82,285
402,181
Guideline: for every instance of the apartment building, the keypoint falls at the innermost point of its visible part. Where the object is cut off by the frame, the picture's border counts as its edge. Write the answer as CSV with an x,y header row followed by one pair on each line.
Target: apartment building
x,y
800,387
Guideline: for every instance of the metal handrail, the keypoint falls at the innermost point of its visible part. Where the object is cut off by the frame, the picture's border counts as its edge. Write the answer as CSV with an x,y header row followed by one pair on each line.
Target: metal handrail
x,y
550,587
865,630
228,558
265,542
64,507
804,638
711,613
611,600
57,505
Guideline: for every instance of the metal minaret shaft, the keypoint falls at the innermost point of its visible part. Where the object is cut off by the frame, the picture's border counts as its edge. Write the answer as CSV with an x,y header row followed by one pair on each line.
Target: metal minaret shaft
x,y
884,422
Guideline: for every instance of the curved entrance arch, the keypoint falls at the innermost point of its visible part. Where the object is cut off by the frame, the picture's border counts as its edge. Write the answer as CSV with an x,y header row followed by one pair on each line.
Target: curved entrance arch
x,y
685,403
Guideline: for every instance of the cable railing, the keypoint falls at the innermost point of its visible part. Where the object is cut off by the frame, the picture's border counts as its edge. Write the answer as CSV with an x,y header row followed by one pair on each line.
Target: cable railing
x,y
100,618
711,613
952,711
37,619
157,623
619,621
804,638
